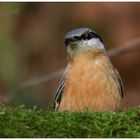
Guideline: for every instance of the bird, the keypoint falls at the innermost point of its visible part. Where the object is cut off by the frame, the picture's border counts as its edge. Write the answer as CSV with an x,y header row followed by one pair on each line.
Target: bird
x,y
89,81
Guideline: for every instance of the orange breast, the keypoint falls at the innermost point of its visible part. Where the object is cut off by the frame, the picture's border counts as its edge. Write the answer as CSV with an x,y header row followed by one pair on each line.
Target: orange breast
x,y
91,83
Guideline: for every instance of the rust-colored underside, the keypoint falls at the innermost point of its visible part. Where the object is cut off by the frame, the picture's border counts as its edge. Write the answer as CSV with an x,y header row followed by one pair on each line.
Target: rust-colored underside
x,y
91,83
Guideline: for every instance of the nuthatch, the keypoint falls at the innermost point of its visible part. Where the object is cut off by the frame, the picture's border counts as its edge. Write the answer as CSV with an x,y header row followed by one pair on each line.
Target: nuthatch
x,y
89,80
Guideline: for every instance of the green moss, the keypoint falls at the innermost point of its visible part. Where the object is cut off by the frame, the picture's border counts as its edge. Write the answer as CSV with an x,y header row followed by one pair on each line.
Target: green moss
x,y
22,122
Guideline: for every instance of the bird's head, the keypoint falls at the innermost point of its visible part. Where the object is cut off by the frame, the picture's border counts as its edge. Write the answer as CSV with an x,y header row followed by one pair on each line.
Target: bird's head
x,y
82,40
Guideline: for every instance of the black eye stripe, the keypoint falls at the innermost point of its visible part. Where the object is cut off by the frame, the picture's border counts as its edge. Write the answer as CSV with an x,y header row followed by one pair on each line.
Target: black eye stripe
x,y
66,42
77,37
85,36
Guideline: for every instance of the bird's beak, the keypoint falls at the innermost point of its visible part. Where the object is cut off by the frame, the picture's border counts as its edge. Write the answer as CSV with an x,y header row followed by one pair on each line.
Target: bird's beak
x,y
73,45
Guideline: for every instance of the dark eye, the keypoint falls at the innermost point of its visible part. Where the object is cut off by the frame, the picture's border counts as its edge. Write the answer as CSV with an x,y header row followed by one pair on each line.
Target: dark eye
x,y
66,42
77,37
90,35
84,36
87,36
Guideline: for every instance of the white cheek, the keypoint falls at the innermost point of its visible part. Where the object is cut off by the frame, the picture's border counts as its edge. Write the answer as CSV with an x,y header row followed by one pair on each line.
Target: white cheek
x,y
83,45
69,50
95,43
92,44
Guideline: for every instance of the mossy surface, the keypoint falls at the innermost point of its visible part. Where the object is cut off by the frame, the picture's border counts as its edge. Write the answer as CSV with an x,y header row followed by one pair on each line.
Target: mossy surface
x,y
22,123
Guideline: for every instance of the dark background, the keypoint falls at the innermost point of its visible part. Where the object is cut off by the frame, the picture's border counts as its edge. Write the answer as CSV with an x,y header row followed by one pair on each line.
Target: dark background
x,y
32,44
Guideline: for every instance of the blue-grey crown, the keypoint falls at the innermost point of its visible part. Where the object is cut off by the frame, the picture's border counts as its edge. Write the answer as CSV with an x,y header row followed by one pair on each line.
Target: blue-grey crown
x,y
81,34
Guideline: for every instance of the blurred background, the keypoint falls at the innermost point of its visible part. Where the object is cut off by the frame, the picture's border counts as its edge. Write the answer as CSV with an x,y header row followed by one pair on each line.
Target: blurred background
x,y
32,45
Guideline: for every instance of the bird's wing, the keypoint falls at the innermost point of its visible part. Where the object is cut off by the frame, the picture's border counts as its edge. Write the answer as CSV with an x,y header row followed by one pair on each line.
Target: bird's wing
x,y
59,90
120,82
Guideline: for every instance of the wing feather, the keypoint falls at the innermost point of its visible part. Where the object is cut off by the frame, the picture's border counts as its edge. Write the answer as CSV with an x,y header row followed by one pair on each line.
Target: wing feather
x,y
59,90
120,82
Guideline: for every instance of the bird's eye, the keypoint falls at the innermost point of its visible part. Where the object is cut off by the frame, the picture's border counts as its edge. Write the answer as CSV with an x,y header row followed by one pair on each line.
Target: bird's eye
x,y
87,36
90,35
84,36
66,42
77,37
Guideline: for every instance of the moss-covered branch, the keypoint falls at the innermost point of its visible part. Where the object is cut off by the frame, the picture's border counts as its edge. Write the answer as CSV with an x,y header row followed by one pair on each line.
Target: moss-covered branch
x,y
22,122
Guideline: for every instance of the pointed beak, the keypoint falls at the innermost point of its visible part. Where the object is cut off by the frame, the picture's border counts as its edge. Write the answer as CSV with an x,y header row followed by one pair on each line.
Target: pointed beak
x,y
73,46
71,42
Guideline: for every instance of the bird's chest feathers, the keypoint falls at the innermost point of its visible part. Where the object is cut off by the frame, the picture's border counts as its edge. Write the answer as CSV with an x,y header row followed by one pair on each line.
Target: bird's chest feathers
x,y
87,73
91,82
82,71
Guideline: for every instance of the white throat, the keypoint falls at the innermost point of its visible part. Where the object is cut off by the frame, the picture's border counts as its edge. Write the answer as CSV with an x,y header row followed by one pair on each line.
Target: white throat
x,y
85,45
